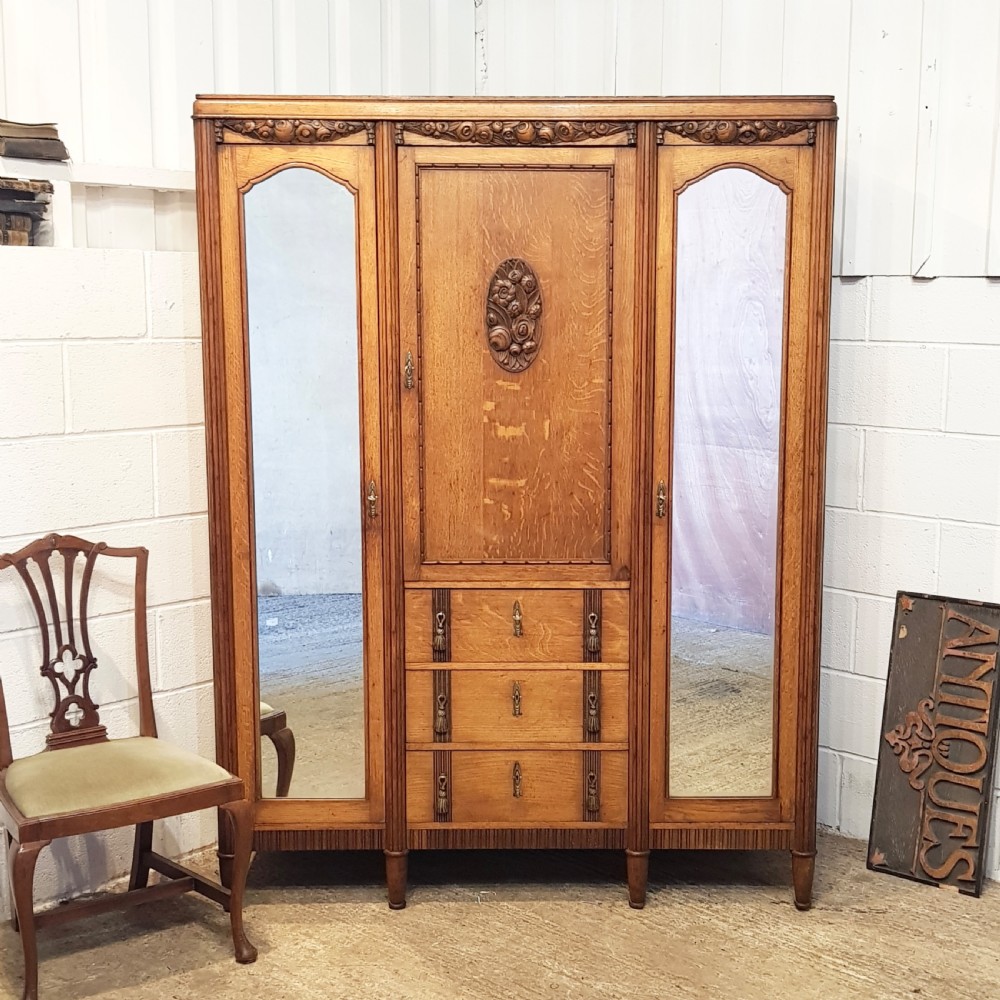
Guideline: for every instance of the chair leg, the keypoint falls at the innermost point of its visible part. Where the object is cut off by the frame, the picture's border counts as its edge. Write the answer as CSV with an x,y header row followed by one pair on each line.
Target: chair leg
x,y
140,866
21,859
284,746
10,885
241,817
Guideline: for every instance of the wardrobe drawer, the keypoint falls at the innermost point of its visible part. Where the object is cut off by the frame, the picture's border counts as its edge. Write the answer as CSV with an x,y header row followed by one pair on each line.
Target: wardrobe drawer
x,y
516,706
517,626
516,788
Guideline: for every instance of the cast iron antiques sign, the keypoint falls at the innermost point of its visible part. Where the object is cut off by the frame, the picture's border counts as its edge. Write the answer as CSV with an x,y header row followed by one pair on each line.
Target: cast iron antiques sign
x,y
935,766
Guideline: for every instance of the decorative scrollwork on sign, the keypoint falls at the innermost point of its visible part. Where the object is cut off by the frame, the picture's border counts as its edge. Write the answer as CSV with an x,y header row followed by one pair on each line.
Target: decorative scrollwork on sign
x,y
740,131
517,133
513,310
291,130
911,742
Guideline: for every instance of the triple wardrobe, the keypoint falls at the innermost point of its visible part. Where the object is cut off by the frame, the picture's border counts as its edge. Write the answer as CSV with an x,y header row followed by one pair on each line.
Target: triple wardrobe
x,y
515,419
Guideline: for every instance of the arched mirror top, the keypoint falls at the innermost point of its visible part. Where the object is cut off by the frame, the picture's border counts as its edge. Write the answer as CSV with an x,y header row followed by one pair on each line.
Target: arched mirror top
x,y
731,165
282,168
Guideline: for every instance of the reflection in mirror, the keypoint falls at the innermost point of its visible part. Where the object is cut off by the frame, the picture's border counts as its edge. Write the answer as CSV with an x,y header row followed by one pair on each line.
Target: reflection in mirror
x,y
728,329
301,279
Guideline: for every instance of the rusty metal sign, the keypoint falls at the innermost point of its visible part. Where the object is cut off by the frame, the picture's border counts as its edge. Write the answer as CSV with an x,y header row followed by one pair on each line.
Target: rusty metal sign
x,y
934,782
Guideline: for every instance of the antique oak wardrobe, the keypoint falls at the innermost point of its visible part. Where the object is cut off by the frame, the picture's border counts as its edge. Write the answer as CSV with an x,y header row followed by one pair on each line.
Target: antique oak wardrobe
x,y
515,424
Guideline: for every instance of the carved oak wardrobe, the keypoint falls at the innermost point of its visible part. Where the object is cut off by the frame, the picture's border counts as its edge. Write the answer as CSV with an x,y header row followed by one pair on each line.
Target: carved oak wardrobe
x,y
515,423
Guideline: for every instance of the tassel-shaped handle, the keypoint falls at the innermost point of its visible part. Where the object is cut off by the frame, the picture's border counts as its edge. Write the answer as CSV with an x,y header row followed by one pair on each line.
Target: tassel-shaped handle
x,y
441,725
441,805
440,643
593,633
593,713
517,618
593,799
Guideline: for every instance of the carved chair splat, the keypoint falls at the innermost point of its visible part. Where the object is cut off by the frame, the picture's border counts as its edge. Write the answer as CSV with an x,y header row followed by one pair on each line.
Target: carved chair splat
x,y
84,782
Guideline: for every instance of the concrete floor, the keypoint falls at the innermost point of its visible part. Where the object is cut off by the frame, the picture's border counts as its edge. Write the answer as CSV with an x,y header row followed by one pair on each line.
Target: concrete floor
x,y
540,925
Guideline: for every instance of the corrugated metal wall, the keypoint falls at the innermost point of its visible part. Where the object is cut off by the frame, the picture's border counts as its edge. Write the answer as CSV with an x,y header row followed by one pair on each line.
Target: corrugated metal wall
x,y
918,84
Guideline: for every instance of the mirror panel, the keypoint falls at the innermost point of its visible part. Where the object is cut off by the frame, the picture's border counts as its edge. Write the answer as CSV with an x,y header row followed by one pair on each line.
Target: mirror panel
x,y
728,337
302,309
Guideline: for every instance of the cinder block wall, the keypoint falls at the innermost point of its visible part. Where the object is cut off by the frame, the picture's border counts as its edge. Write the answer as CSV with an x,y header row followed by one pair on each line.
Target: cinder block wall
x,y
101,433
913,496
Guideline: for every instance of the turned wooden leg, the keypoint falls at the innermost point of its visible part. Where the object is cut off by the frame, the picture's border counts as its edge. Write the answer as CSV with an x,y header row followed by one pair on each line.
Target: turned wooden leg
x,y
241,815
803,866
395,877
22,858
284,746
637,864
140,865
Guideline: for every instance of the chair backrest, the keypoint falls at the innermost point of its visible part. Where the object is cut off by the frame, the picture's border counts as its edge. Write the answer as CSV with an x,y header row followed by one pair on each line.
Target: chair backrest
x,y
67,657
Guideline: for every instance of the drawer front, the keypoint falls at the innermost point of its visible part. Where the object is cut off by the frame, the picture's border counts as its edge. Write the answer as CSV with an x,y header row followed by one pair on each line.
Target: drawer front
x,y
515,707
517,626
511,788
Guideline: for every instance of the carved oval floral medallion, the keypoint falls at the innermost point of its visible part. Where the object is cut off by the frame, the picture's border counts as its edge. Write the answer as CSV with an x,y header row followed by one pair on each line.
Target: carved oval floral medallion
x,y
513,309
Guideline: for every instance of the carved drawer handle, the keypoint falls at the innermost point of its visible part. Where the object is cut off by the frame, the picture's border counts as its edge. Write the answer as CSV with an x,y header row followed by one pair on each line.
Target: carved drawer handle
x,y
515,698
593,634
516,778
661,499
517,618
408,371
441,806
593,713
372,500
593,799
441,725
439,642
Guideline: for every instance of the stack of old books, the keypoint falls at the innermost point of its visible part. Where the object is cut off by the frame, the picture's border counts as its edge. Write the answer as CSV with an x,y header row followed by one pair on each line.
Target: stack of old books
x,y
29,141
23,210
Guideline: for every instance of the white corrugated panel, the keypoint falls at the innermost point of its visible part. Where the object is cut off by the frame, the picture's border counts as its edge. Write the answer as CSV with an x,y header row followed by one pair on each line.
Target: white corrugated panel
x,y
881,127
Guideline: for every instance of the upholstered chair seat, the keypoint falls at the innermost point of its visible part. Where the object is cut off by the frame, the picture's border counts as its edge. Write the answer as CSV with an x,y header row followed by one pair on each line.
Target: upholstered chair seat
x,y
101,775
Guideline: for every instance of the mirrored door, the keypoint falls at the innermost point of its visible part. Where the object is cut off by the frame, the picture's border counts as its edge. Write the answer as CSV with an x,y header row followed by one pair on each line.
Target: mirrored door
x,y
727,294
311,714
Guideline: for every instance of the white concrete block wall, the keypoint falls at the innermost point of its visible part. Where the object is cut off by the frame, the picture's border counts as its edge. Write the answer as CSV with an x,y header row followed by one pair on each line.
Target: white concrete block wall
x,y
913,496
101,434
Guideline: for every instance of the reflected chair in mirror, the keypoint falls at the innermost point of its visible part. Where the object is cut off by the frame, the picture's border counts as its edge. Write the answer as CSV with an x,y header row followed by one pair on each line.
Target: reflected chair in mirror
x,y
274,726
84,782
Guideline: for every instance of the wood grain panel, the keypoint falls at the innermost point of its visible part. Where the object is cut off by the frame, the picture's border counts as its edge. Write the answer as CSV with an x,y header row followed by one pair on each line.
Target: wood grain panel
x,y
482,786
515,465
481,626
550,704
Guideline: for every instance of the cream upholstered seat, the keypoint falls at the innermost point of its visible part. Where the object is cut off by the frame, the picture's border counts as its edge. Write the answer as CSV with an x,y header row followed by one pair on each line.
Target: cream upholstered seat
x,y
265,709
100,775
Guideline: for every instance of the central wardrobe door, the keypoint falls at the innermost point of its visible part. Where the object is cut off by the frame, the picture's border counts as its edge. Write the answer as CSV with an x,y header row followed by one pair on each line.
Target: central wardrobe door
x,y
311,714
508,302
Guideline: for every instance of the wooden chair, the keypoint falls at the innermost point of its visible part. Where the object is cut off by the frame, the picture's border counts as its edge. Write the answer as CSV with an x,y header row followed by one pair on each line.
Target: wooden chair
x,y
83,782
274,726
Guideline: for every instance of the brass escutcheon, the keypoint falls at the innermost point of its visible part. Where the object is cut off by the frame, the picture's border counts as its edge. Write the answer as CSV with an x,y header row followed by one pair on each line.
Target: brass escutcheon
x,y
515,697
517,617
661,499
372,499
408,371
516,778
